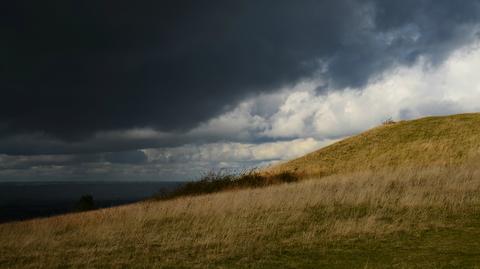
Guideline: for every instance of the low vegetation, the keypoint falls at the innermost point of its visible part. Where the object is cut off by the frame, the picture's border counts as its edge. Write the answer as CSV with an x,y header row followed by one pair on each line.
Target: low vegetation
x,y
407,214
223,181
85,203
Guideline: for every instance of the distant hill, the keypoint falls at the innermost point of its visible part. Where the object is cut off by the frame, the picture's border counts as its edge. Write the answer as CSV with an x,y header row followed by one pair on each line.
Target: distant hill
x,y
425,142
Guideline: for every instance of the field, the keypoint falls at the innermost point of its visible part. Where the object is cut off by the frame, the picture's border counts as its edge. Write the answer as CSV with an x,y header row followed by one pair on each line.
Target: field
x,y
407,214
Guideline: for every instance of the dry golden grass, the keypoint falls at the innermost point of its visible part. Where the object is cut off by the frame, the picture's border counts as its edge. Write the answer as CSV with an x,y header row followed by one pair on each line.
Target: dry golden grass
x,y
245,225
426,142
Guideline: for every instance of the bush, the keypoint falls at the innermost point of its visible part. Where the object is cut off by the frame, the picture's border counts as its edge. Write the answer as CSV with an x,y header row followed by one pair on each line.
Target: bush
x,y
85,203
388,121
219,181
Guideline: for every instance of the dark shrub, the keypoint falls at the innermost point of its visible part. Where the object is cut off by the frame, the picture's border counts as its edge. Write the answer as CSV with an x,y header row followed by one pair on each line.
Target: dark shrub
x,y
85,203
220,181
287,177
388,121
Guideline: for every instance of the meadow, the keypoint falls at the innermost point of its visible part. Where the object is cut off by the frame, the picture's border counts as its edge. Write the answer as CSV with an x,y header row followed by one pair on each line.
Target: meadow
x,y
404,215
398,219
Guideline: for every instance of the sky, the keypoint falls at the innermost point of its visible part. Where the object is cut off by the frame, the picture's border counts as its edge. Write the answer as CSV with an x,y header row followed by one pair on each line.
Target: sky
x,y
167,90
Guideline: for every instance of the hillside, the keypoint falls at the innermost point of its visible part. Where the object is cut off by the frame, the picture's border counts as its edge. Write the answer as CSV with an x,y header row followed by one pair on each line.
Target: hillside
x,y
425,142
366,204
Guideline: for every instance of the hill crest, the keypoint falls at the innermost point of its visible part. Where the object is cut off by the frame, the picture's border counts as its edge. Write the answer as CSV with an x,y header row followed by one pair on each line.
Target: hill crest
x,y
429,141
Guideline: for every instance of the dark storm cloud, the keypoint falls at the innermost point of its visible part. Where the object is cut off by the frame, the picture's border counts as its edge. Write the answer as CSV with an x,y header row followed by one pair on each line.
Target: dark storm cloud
x,y
126,157
27,162
70,69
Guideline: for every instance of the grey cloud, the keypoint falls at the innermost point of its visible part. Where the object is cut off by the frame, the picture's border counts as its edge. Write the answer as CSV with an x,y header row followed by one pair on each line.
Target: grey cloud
x,y
152,164
22,162
74,69
130,157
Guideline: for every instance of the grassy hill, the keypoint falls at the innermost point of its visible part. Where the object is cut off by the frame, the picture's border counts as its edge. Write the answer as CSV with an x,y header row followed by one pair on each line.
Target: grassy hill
x,y
426,142
405,195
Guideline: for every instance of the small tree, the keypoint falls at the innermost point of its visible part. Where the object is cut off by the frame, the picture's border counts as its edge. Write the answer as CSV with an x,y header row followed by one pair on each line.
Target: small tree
x,y
388,121
85,203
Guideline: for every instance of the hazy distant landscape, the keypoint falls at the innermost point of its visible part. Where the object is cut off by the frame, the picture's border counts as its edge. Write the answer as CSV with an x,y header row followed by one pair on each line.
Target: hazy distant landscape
x,y
25,200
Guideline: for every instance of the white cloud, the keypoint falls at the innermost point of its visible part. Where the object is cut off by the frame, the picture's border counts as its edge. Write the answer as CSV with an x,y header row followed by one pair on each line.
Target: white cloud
x,y
235,152
308,119
189,161
401,93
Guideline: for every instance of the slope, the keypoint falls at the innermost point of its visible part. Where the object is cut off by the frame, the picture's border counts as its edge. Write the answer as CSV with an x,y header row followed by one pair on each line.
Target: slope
x,y
431,141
